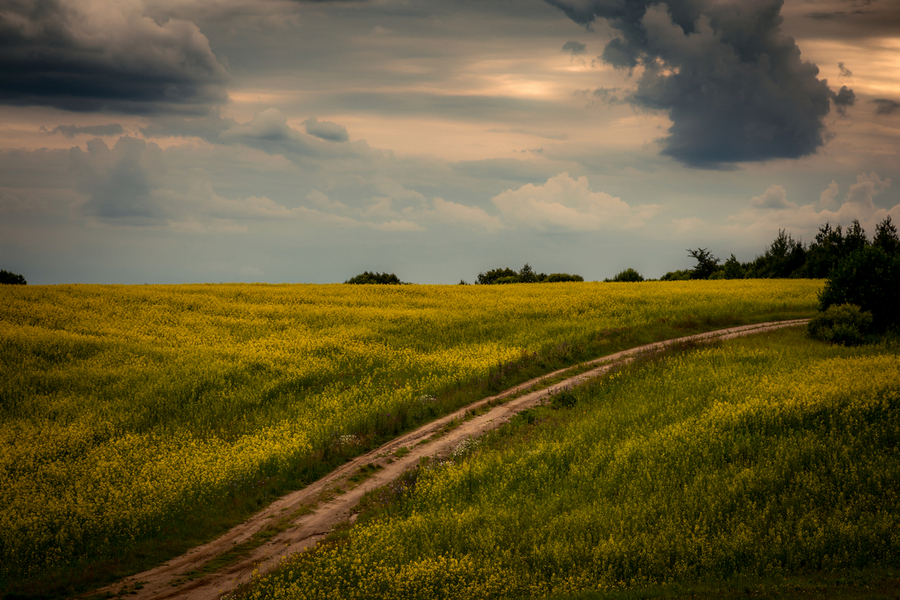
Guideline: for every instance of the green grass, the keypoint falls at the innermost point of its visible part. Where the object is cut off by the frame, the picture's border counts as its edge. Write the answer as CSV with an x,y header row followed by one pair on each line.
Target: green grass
x,y
858,584
124,408
767,466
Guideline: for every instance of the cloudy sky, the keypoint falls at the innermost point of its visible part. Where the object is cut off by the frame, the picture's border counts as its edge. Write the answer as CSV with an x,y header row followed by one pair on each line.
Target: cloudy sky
x,y
171,141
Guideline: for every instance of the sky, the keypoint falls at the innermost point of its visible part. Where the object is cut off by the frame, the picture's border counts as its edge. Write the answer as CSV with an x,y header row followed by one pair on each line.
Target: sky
x,y
180,141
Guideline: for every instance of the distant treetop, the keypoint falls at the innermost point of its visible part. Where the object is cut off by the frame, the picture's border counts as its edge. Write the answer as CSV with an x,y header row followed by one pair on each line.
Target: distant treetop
x,y
786,257
525,275
11,278
381,278
629,275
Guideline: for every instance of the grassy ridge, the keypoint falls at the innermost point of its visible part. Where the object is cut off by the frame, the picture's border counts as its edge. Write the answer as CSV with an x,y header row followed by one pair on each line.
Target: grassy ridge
x,y
123,408
763,457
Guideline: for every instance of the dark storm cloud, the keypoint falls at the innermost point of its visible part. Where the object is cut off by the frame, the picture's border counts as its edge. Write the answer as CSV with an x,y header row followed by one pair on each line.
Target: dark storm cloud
x,y
886,106
574,48
843,99
732,82
326,130
104,57
845,72
71,131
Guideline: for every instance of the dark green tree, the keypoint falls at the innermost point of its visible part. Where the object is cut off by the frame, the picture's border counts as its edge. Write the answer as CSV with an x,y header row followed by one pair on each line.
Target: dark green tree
x,y
377,278
784,258
870,279
855,238
679,275
628,275
706,263
527,275
886,237
507,279
825,252
559,277
11,278
491,277
733,269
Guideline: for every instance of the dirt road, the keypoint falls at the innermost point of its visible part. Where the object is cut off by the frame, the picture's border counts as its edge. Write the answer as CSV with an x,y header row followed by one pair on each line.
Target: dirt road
x,y
173,579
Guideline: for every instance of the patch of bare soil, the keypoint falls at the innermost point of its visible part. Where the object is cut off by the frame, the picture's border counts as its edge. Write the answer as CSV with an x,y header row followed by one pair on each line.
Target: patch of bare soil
x,y
334,497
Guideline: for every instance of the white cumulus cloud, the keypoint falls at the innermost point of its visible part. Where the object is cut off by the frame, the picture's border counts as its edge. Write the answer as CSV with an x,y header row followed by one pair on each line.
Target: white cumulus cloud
x,y
570,204
460,214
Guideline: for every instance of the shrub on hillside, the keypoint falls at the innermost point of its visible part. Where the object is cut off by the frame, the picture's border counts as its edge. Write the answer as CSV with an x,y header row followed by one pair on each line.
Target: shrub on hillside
x,y
842,324
679,275
11,278
382,278
525,275
492,276
628,275
870,279
561,277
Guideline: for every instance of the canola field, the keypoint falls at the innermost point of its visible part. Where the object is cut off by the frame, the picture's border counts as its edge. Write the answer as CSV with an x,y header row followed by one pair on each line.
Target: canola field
x,y
125,408
760,457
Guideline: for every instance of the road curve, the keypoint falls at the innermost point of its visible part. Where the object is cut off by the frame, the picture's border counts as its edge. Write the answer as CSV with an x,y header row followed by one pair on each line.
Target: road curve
x,y
334,497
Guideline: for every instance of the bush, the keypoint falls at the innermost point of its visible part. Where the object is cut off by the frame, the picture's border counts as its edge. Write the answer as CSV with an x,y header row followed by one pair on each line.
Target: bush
x,y
844,324
679,275
525,275
628,275
491,277
870,279
11,278
507,279
561,277
382,278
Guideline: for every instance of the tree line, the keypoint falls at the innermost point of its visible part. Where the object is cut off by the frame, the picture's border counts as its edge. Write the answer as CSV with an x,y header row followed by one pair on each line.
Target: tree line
x,y
525,275
786,257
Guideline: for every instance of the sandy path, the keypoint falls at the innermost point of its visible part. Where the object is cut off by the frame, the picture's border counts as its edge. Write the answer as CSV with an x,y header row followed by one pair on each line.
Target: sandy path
x,y
169,580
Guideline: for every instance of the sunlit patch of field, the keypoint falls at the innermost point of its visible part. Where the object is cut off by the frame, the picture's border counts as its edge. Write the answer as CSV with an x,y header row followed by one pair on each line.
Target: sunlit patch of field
x,y
761,458
125,410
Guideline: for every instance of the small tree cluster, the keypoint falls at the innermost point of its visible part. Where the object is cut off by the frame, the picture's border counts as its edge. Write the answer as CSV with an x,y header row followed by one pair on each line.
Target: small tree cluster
x,y
628,275
11,278
525,275
870,279
379,278
862,292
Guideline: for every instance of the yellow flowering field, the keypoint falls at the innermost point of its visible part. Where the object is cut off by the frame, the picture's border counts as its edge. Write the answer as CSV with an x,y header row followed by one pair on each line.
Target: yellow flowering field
x,y
759,457
123,408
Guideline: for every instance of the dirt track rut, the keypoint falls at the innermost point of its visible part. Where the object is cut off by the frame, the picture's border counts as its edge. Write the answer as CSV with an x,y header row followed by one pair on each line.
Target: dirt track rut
x,y
171,580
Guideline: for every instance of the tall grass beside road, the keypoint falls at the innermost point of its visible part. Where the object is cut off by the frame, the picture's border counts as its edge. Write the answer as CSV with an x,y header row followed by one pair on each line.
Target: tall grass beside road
x,y
763,457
